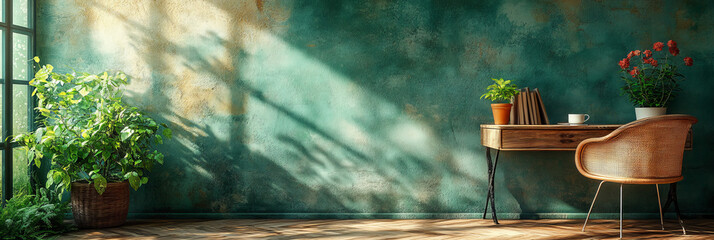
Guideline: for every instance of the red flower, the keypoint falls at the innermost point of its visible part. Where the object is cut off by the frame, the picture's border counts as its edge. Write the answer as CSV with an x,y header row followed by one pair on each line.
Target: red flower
x,y
637,52
634,72
671,44
624,63
647,60
629,55
688,61
653,62
648,53
674,50
658,46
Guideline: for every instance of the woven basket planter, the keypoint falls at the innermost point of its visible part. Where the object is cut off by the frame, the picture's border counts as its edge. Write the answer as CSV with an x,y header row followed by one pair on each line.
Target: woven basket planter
x,y
91,210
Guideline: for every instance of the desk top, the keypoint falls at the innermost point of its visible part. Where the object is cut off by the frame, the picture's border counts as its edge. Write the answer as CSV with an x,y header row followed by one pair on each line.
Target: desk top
x,y
545,137
552,127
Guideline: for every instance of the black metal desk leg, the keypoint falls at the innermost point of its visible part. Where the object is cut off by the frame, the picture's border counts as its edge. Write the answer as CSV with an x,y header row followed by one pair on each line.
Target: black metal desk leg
x,y
672,198
490,168
493,191
491,182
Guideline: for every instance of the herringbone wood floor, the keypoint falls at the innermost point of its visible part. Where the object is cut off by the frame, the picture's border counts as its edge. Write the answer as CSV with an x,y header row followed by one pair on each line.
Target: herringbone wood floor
x,y
396,229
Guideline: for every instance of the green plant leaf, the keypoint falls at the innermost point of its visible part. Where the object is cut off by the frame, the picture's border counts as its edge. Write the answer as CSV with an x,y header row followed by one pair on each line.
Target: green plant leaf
x,y
167,132
134,180
83,92
100,183
159,158
50,179
66,179
126,133
37,160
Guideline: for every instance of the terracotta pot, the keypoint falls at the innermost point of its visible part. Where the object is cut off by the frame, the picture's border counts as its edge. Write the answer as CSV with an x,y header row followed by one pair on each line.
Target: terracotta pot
x,y
91,210
644,112
501,113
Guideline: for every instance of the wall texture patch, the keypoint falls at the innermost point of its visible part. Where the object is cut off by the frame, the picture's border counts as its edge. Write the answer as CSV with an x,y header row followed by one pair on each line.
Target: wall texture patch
x,y
371,107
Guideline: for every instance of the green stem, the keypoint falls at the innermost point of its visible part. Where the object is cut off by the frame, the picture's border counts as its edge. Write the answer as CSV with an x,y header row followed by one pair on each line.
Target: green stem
x,y
67,127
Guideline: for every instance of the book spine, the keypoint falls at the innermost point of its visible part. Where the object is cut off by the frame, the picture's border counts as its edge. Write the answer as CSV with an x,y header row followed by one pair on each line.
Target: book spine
x,y
529,113
544,114
513,111
519,109
535,108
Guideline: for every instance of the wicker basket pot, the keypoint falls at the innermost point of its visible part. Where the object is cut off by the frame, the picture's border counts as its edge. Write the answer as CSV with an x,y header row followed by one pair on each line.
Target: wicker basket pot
x,y
91,210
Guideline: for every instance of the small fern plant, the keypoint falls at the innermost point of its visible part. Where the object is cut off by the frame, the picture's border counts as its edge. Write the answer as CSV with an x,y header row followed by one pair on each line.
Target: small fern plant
x,y
38,216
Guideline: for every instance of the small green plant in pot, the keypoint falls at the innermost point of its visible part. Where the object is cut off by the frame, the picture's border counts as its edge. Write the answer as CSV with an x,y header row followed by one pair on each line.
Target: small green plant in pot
x,y
98,146
500,93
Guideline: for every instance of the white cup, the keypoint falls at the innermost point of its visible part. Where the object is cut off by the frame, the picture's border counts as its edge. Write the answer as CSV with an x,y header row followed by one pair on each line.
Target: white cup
x,y
578,118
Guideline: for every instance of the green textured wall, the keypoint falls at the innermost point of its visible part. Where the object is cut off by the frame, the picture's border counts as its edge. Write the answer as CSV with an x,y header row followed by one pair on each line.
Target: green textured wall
x,y
370,108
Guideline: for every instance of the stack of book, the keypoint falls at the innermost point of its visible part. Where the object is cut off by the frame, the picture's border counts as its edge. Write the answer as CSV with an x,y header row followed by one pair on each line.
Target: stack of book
x,y
528,108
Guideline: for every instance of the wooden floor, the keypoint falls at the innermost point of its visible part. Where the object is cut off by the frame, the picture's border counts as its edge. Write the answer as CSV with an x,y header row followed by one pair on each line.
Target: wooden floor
x,y
396,229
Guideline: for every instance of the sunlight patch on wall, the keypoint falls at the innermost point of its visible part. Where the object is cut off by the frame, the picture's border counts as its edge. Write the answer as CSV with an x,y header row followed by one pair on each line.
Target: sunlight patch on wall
x,y
201,171
114,34
162,46
414,138
348,140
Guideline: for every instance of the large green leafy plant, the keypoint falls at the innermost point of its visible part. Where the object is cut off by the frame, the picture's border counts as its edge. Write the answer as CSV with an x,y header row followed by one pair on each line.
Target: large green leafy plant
x,y
88,132
500,91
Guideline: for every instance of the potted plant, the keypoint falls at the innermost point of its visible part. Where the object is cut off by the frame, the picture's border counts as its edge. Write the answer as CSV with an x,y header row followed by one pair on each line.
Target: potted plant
x,y
97,145
34,216
500,93
652,82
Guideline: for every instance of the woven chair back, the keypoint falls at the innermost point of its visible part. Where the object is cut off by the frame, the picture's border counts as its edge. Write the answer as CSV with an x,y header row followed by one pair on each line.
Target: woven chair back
x,y
646,151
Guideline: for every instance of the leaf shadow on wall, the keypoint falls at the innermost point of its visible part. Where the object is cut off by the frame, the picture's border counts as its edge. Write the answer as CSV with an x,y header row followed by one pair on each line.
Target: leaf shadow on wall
x,y
205,172
416,57
391,161
424,56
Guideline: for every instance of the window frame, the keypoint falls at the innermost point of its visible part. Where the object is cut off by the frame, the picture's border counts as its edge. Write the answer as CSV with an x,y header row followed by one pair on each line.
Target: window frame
x,y
8,29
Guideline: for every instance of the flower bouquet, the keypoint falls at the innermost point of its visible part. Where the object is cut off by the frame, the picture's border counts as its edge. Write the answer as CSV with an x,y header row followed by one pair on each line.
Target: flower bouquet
x,y
653,80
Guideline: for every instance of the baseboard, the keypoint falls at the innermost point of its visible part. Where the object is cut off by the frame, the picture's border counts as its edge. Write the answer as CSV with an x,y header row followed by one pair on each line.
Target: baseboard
x,y
407,215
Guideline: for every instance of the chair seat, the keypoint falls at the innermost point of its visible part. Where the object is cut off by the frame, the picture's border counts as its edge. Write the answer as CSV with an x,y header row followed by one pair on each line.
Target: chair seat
x,y
625,180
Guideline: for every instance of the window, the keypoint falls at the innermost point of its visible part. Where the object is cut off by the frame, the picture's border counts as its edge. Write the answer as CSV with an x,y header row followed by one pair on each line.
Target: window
x,y
17,32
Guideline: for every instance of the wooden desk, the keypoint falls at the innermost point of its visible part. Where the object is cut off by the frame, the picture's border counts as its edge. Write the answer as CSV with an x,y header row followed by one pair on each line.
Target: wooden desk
x,y
542,138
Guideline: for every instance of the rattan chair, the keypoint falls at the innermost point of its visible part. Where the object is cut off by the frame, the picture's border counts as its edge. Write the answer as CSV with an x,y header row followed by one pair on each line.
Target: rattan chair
x,y
646,151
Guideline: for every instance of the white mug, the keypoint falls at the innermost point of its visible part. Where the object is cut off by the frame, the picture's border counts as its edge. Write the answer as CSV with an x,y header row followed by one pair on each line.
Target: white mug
x,y
578,118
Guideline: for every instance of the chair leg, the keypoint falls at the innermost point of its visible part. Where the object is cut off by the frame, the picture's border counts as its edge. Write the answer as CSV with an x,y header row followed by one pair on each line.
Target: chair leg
x,y
659,203
591,206
620,210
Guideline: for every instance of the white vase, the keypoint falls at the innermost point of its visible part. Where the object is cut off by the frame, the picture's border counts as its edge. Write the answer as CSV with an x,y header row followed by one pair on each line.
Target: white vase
x,y
644,112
